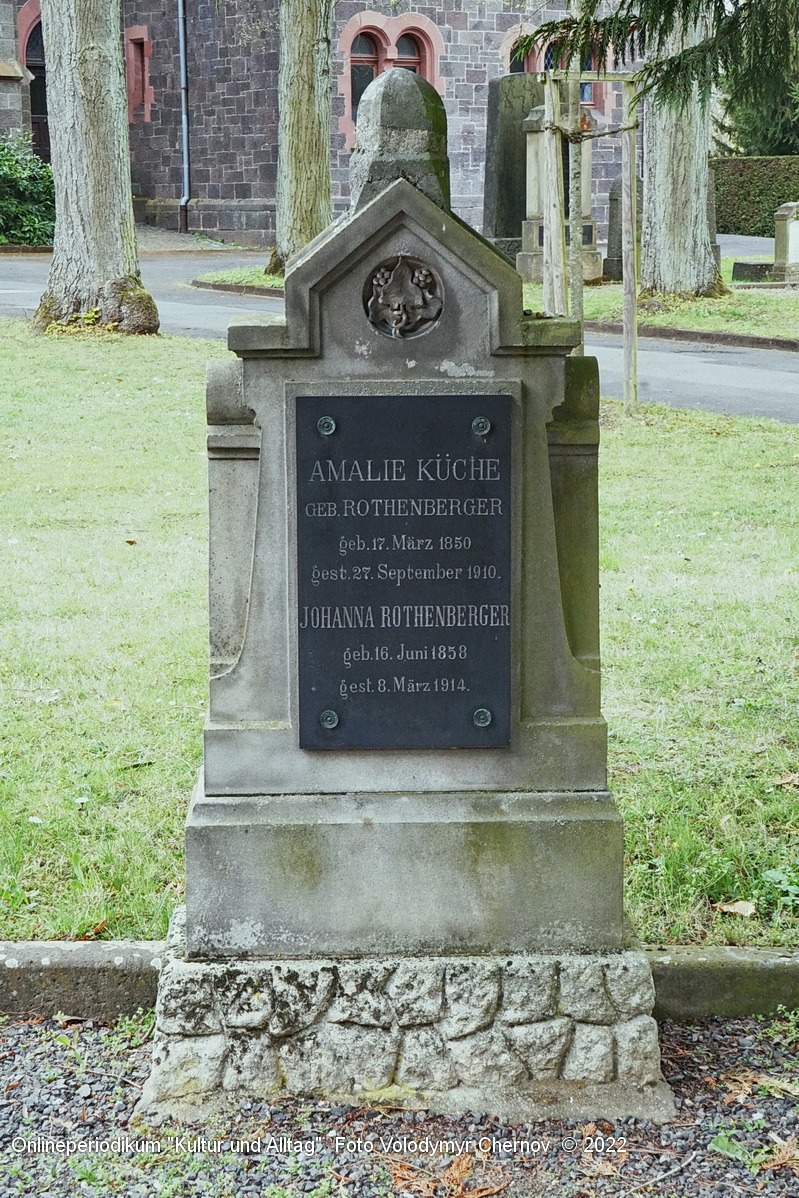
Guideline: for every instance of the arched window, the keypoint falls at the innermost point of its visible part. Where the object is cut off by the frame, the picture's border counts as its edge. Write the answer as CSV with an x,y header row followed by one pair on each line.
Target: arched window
x,y
34,61
532,62
409,54
364,66
372,43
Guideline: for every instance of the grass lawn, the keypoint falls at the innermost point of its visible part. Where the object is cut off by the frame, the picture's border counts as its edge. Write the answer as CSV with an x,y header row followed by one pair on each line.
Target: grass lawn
x,y
253,276
103,665
765,313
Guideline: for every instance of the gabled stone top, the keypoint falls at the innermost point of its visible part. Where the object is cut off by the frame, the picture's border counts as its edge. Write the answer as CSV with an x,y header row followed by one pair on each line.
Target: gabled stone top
x,y
351,245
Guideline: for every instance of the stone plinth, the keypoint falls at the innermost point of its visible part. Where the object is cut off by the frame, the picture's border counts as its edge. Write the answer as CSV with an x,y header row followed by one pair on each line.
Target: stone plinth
x,y
348,875
525,1036
786,244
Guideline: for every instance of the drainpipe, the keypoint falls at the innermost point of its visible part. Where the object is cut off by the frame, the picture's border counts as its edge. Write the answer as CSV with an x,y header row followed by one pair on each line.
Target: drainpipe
x,y
183,217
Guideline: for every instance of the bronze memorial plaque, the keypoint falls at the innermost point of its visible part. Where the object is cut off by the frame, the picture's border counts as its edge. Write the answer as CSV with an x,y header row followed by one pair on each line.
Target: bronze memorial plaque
x,y
404,571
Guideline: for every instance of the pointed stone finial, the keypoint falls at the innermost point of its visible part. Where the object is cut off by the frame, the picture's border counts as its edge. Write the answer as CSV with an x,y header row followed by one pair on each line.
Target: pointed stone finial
x,y
402,134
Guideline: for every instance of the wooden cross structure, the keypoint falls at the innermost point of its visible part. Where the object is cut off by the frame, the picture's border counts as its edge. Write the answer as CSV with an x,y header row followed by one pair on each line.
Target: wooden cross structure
x,y
554,242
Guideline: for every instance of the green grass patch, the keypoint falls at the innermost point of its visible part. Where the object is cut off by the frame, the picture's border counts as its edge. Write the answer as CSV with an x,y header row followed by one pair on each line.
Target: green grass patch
x,y
700,574
766,313
104,663
252,276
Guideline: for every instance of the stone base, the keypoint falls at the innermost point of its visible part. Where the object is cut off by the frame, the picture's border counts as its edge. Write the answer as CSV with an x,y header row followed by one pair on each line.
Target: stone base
x,y
523,1037
530,265
785,272
395,875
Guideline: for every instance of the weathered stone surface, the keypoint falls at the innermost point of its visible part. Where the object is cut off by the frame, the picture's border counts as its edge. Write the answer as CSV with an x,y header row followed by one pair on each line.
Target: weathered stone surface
x,y
528,991
542,1046
486,1059
416,990
428,1030
629,984
301,1062
248,999
301,994
425,1062
590,1055
187,1001
185,1067
582,991
510,98
357,1058
252,1065
361,996
637,1051
402,134
472,996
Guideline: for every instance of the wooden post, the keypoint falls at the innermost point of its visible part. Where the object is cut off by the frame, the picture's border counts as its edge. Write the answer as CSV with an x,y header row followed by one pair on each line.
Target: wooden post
x,y
576,213
629,250
555,302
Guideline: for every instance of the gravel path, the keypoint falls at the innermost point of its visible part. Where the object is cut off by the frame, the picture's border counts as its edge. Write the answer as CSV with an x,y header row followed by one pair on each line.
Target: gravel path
x,y
736,1082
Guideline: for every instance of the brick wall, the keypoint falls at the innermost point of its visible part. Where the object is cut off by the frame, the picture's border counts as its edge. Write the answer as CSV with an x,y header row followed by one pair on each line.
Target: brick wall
x,y
232,66
12,92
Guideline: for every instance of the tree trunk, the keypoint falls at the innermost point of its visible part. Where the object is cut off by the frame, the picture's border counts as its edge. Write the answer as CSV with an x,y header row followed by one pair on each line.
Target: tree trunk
x,y
676,254
303,162
95,271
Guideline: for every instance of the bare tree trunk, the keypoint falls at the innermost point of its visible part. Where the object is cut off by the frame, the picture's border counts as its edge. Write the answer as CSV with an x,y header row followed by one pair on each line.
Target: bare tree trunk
x,y
95,269
677,256
303,162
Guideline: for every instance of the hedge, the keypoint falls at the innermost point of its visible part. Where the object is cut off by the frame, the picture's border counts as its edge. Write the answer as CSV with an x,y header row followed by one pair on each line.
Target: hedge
x,y
27,198
750,190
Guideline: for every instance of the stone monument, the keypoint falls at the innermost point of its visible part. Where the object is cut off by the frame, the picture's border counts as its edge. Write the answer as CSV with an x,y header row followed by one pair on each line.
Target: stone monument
x,y
404,869
530,259
612,267
510,98
786,244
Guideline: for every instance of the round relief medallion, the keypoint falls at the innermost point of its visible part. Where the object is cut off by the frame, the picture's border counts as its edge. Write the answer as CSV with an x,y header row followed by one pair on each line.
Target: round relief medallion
x,y
403,297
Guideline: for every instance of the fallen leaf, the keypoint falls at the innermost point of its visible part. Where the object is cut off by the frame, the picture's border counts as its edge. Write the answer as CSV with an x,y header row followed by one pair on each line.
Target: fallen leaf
x,y
786,1155
743,1083
127,542
598,1166
455,1174
789,781
743,907
97,930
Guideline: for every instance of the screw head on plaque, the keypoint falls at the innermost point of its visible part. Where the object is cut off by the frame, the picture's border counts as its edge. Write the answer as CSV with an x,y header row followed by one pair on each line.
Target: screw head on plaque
x,y
329,719
482,717
481,426
326,425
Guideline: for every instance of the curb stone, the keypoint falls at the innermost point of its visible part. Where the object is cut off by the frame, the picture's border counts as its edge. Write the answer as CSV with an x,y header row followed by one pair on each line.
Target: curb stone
x,y
661,332
104,979
239,288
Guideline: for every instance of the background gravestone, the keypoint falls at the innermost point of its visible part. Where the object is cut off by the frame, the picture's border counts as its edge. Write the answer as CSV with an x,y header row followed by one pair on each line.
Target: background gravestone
x,y
404,869
510,98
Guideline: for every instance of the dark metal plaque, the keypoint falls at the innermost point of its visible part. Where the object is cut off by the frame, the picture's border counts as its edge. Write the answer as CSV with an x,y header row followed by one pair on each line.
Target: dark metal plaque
x,y
404,571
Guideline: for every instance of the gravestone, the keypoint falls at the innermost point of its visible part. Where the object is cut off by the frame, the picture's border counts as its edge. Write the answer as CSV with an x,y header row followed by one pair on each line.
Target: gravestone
x,y
403,866
510,98
612,268
786,244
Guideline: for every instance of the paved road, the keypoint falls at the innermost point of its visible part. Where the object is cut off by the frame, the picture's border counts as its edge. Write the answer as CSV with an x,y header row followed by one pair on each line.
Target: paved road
x,y
720,379
740,382
184,310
